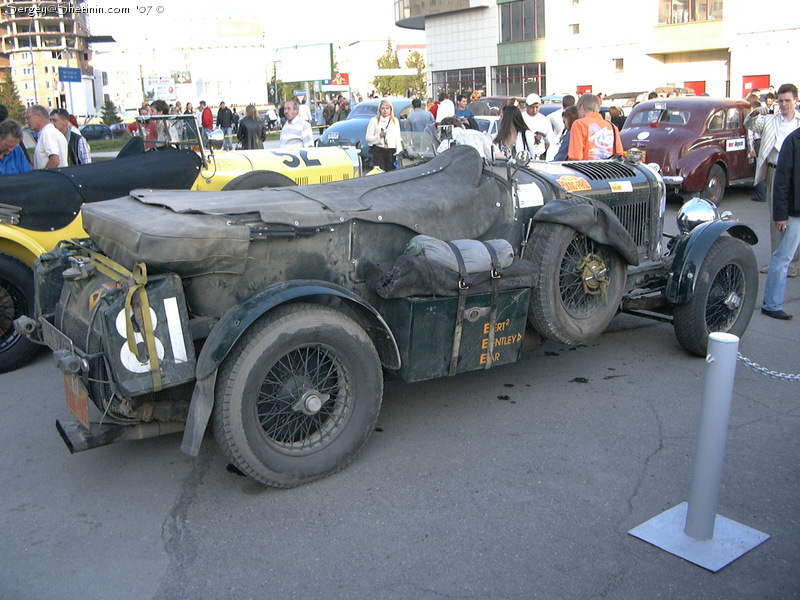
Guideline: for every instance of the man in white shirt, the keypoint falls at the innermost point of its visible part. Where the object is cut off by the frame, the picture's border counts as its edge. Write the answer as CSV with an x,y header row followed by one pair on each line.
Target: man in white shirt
x,y
536,121
446,108
774,128
51,145
296,133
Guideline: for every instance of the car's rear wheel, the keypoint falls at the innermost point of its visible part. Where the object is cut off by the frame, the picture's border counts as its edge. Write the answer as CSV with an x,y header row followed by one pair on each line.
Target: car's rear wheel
x,y
106,136
715,185
258,179
298,396
16,299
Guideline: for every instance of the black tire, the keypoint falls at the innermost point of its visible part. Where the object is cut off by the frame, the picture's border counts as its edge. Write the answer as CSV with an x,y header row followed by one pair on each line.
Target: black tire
x,y
725,294
261,420
106,136
258,179
715,185
566,305
16,299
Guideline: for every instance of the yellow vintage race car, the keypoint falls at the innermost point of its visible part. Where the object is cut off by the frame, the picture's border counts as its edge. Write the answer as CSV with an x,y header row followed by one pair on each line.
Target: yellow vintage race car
x,y
41,208
248,169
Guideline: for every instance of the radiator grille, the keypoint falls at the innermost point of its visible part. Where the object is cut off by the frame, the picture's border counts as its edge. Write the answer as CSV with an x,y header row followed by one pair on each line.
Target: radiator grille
x,y
601,170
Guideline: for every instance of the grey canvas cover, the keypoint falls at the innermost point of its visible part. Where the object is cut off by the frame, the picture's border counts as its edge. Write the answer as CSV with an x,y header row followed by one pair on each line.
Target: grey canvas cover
x,y
195,233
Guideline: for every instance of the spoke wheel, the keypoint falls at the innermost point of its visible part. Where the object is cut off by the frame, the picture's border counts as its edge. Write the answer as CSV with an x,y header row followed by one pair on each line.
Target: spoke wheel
x,y
16,299
298,395
724,297
580,284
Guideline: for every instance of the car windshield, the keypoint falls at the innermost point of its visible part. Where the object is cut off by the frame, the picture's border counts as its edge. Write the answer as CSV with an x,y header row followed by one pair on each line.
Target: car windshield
x,y
363,110
661,115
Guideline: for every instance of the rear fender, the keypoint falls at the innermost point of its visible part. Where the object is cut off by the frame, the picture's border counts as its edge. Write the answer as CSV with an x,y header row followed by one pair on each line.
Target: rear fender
x,y
17,243
691,251
696,165
239,318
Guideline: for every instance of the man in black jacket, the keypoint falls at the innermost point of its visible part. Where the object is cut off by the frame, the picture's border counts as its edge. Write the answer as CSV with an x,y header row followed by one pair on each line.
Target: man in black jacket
x,y
225,122
786,218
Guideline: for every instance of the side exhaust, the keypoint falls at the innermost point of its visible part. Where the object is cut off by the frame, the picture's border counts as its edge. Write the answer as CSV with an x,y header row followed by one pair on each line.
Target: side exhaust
x,y
78,439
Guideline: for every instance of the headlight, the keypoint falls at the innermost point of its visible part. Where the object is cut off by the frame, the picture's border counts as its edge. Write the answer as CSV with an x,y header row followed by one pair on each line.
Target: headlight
x,y
696,212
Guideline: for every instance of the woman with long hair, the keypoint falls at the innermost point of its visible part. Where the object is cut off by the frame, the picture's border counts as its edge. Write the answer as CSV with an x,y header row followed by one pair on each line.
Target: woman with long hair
x,y
513,135
569,116
383,137
251,131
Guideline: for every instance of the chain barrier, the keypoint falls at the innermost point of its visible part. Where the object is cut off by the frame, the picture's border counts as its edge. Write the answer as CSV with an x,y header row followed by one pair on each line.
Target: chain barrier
x,y
764,371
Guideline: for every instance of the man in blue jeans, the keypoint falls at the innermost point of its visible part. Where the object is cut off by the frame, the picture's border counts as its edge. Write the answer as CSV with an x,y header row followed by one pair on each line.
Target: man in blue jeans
x,y
225,122
786,218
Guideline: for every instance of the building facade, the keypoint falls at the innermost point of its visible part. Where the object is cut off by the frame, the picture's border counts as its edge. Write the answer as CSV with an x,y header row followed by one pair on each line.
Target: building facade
x,y
515,47
37,38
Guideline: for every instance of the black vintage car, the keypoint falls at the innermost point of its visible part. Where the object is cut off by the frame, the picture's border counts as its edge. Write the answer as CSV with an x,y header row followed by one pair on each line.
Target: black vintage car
x,y
273,314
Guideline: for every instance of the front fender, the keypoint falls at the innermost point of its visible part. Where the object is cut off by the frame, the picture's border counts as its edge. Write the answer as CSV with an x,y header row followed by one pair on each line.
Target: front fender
x,y
593,219
690,252
235,322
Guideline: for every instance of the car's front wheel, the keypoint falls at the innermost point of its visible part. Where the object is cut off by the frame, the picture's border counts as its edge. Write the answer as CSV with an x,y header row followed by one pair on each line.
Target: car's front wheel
x,y
581,283
725,293
298,396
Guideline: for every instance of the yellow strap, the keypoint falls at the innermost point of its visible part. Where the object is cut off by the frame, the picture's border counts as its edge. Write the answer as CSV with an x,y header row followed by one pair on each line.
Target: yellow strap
x,y
139,276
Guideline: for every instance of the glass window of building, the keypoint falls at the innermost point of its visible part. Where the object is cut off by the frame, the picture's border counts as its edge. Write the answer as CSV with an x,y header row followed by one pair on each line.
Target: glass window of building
x,y
519,80
522,20
687,11
459,81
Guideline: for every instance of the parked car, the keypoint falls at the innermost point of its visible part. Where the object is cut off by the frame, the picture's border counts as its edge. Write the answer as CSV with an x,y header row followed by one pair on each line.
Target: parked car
x,y
496,103
178,162
353,130
117,129
700,143
96,131
249,169
273,313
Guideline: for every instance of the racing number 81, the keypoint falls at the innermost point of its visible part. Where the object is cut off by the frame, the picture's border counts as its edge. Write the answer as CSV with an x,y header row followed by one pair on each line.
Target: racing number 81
x,y
175,332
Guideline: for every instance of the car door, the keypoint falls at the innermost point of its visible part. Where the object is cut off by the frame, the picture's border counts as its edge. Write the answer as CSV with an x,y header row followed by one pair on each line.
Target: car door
x,y
739,165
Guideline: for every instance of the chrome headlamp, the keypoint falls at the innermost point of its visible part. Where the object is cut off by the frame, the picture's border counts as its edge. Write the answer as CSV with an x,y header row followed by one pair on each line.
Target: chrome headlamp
x,y
696,212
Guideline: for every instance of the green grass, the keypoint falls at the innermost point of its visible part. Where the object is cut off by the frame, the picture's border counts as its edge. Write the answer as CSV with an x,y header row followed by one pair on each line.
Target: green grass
x,y
108,145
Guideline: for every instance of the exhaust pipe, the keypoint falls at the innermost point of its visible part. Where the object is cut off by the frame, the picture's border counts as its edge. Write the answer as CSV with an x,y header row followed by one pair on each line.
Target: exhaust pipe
x,y
78,438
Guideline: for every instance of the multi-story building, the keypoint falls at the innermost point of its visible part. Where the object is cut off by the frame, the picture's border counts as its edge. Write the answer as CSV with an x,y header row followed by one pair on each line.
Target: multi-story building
x,y
515,47
39,36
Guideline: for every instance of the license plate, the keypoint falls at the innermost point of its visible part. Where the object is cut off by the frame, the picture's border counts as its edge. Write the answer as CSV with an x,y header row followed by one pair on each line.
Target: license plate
x,y
77,398
643,152
333,136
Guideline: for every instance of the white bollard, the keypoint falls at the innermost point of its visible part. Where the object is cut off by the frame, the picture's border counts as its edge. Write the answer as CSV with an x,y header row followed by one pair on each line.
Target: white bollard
x,y
712,435
693,530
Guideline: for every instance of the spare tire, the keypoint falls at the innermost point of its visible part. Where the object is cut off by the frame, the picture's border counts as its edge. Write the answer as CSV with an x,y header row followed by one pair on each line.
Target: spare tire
x,y
258,179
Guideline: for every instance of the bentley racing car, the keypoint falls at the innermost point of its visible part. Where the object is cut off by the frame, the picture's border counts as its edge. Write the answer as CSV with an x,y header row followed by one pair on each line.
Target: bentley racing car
x,y
273,314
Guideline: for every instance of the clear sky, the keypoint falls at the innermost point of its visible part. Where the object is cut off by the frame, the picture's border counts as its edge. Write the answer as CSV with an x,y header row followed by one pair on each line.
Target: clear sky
x,y
340,22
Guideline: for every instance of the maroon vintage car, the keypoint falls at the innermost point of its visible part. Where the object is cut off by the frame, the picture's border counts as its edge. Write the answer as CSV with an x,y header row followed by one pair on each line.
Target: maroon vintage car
x,y
699,143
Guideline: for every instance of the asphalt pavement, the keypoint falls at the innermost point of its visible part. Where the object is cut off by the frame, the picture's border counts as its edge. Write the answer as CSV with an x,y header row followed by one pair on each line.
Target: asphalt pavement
x,y
520,483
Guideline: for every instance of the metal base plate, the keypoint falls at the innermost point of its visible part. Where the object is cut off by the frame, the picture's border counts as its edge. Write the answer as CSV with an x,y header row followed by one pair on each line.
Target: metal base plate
x,y
731,539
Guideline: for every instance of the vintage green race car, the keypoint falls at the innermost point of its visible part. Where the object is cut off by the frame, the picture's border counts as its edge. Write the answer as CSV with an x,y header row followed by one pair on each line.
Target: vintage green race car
x,y
273,314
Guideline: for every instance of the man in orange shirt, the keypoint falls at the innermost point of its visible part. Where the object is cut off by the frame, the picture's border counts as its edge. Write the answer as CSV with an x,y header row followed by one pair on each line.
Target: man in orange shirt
x,y
591,137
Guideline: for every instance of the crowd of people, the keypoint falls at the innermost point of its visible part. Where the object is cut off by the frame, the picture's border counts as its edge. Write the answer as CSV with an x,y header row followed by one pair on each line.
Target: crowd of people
x,y
59,142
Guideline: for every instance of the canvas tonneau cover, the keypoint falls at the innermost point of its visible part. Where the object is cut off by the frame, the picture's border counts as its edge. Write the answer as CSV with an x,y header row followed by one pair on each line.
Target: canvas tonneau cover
x,y
50,199
195,233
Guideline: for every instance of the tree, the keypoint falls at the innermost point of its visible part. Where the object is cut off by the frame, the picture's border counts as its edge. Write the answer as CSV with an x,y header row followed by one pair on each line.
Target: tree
x,y
9,97
109,113
401,85
418,83
393,85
